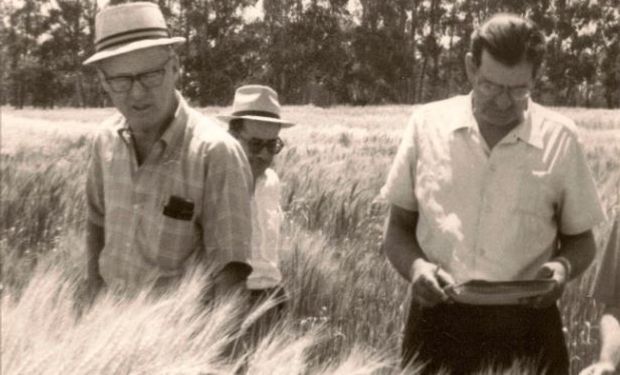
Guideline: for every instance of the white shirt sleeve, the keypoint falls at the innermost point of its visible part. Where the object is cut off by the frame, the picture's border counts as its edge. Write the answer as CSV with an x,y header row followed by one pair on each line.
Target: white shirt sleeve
x,y
399,188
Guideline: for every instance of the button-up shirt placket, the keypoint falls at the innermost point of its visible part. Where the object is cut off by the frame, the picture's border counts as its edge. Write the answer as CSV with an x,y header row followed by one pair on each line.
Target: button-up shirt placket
x,y
143,177
147,176
126,136
491,192
488,160
480,160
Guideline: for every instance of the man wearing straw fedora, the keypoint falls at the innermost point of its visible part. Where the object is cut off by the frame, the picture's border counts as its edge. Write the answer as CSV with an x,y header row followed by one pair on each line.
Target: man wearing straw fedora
x,y
166,186
255,122
606,290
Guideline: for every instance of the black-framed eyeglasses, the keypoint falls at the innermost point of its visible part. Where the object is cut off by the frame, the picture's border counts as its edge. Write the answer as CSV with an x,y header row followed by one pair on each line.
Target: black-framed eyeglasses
x,y
149,80
273,146
492,89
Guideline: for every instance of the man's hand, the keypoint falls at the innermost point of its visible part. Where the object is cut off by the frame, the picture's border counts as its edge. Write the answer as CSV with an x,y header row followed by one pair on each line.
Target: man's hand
x,y
428,281
231,278
599,368
551,270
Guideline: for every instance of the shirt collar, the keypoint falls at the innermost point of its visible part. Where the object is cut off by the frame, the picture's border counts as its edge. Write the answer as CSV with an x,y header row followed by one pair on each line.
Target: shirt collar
x,y
464,117
261,180
529,130
173,135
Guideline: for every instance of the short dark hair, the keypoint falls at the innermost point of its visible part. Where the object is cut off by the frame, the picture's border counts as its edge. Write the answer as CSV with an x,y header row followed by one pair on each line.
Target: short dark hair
x,y
235,125
509,38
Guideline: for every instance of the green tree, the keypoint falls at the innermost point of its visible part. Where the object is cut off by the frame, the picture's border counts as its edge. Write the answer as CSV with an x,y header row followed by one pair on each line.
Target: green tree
x,y
25,24
213,56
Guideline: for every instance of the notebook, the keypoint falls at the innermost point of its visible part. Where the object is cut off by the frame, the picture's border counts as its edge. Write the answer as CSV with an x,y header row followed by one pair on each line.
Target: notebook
x,y
482,292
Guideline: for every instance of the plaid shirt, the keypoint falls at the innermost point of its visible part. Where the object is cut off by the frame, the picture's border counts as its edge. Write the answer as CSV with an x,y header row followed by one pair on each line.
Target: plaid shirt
x,y
190,196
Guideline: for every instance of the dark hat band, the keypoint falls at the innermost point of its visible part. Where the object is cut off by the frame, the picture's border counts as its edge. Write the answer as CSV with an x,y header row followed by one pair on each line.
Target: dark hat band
x,y
131,36
256,113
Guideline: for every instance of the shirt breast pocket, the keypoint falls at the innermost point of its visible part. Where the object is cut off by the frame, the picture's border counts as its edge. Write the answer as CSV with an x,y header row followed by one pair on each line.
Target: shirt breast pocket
x,y
535,208
176,242
535,196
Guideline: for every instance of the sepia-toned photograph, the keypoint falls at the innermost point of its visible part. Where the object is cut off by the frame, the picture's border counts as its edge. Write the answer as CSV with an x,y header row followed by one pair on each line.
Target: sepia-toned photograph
x,y
310,187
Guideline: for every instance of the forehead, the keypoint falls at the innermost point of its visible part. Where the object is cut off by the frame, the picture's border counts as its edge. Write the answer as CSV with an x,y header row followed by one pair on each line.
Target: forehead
x,y
134,62
261,129
496,72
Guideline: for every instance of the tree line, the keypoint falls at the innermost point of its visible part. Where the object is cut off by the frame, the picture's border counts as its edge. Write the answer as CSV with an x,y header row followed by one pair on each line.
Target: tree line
x,y
314,51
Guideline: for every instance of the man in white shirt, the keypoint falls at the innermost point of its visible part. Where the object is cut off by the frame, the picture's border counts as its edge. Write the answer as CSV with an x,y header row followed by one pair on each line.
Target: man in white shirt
x,y
490,186
255,122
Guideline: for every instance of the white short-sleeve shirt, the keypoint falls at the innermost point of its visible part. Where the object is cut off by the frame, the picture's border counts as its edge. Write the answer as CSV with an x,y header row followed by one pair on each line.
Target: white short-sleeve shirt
x,y
495,214
266,221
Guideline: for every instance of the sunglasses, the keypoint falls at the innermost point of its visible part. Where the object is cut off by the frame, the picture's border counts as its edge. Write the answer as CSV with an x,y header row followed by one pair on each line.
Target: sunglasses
x,y
273,146
149,80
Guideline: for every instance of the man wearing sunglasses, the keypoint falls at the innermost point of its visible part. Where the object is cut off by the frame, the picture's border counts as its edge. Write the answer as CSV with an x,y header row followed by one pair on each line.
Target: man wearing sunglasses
x,y
166,186
490,186
255,122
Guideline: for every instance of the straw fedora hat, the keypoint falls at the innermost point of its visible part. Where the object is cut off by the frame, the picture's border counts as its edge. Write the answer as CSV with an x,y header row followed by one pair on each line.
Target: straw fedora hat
x,y
128,27
256,102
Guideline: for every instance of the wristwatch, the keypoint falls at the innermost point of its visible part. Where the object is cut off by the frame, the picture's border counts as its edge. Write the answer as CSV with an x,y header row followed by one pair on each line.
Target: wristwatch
x,y
567,266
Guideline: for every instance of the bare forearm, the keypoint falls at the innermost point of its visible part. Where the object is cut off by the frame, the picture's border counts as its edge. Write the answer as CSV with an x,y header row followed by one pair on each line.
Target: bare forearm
x,y
610,336
579,250
95,235
399,241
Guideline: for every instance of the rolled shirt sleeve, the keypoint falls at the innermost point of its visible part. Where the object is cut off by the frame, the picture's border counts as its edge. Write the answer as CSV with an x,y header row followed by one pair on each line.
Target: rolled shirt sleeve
x,y
227,208
399,188
94,186
580,208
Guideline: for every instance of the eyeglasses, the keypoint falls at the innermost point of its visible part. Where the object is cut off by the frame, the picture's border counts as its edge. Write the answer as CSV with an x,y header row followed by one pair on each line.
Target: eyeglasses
x,y
487,88
273,146
150,79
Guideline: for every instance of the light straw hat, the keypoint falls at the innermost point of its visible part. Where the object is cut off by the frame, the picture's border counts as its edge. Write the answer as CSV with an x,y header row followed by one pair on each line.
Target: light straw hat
x,y
128,27
256,102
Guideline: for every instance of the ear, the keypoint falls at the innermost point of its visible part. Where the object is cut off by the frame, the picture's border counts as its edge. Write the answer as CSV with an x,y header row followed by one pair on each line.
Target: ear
x,y
539,72
176,68
470,68
104,83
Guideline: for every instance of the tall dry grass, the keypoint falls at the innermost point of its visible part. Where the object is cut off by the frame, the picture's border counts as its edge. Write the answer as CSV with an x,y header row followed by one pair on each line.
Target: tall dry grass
x,y
173,334
347,305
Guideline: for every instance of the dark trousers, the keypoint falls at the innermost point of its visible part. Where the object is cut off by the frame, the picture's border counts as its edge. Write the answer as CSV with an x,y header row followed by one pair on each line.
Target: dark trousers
x,y
250,338
275,314
464,339
267,320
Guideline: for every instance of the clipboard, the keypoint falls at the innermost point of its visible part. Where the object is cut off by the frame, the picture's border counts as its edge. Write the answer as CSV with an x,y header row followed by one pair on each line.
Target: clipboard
x,y
483,292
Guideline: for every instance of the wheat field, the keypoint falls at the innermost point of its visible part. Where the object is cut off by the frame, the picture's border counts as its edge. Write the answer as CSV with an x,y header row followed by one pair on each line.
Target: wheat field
x,y
347,304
